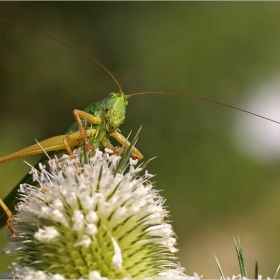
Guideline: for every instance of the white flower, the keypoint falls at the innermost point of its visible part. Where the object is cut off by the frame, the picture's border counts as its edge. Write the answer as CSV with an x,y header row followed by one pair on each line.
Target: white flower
x,y
85,221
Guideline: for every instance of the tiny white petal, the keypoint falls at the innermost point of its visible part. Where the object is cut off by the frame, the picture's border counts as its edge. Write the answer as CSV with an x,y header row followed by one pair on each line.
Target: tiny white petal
x,y
108,151
91,229
92,217
47,210
94,275
57,203
39,275
88,203
133,161
78,215
117,258
58,216
155,218
85,242
46,234
71,199
120,213
78,220
57,277
105,209
148,175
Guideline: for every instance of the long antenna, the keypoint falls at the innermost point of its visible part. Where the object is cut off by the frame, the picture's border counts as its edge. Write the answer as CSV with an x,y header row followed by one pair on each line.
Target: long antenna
x,y
117,83
203,99
65,44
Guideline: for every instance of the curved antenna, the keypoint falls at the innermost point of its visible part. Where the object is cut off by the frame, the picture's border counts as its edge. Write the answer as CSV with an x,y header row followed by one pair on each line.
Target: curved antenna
x,y
65,44
203,99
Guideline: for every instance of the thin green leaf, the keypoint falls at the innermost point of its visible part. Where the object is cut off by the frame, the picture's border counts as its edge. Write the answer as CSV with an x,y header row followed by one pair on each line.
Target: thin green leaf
x,y
125,158
241,259
276,273
256,270
220,268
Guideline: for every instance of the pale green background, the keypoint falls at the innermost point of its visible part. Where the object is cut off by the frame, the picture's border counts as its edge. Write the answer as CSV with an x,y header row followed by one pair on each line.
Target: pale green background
x,y
210,49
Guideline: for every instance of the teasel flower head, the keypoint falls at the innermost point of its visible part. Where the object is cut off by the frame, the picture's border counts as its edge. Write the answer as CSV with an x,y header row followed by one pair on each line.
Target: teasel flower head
x,y
92,220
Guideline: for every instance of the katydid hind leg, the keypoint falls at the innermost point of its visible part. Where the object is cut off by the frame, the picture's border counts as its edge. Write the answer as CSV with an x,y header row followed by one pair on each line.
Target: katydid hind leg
x,y
10,217
51,144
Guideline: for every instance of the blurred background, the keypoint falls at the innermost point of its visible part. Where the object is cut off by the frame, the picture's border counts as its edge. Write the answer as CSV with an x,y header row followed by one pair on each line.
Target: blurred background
x,y
218,168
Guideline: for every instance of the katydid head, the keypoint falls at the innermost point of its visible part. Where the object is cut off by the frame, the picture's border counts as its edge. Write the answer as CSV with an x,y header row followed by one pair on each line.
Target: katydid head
x,y
114,108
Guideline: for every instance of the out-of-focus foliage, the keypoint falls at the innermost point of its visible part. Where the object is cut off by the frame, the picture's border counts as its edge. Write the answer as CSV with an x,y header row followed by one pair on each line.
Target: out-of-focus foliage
x,y
216,50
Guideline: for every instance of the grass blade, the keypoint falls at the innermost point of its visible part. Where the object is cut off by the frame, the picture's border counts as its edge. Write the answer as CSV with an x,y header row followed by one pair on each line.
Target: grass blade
x,y
125,158
220,268
241,259
256,270
276,273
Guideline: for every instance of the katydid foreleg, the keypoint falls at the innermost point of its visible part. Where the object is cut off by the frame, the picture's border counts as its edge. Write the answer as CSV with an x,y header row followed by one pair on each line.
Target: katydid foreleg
x,y
78,115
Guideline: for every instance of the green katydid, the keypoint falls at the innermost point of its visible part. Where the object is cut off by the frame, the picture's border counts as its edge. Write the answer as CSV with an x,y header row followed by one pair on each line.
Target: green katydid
x,y
104,116
103,119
